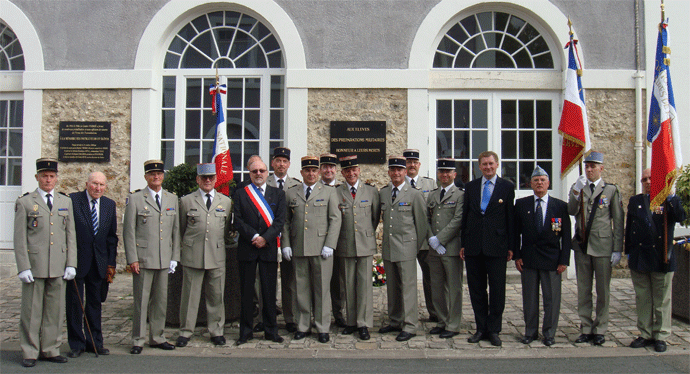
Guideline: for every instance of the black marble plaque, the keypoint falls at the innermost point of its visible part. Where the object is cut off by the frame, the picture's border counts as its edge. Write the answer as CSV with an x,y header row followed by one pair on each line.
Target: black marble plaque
x,y
366,139
84,142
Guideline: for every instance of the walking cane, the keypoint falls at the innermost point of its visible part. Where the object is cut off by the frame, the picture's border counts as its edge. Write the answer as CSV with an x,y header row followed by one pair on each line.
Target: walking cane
x,y
83,312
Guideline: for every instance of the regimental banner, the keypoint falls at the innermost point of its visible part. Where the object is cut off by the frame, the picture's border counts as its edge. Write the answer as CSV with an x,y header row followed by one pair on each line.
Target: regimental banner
x,y
366,139
84,142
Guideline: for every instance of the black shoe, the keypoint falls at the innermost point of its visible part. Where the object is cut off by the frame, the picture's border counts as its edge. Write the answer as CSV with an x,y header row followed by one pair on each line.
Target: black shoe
x,y
57,359
364,333
299,335
100,350
584,338
494,339
476,337
135,350
181,341
528,339
243,340
447,334
29,362
340,322
549,341
389,328
404,336
436,330
279,311
274,338
598,339
433,319
291,327
164,346
641,342
323,337
660,346
259,327
75,353
218,340
349,330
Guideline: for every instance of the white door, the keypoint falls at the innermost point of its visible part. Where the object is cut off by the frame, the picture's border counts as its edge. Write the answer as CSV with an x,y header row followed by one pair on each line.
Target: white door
x,y
11,115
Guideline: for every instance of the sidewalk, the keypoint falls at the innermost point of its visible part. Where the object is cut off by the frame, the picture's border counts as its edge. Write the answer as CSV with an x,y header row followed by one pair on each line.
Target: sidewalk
x,y
117,327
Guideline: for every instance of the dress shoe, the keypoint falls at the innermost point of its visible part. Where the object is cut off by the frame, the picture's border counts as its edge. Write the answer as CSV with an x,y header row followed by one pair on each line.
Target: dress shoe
x,y
641,342
259,327
476,337
299,335
279,311
389,328
324,337
100,350
340,322
164,346
349,330
243,340
291,327
274,338
528,339
218,340
75,353
404,336
436,330
181,341
433,319
494,339
447,334
598,339
135,350
57,359
660,346
29,362
364,333
549,341
584,338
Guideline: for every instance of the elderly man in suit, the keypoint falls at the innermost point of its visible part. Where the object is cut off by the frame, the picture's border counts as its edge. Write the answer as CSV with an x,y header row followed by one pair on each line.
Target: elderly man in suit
x,y
95,222
309,236
259,218
543,223
598,243
404,231
359,204
205,220
487,245
151,233
650,270
444,208
45,247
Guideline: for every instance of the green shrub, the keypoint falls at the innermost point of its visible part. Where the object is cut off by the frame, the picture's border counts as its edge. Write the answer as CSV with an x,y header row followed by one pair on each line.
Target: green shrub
x,y
181,179
683,191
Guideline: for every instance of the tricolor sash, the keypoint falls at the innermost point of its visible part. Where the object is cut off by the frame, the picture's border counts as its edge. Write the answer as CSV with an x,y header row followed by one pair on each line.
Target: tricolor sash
x,y
261,205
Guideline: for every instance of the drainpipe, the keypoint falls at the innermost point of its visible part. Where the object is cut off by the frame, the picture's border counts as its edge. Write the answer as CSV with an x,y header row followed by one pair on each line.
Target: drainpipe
x,y
639,127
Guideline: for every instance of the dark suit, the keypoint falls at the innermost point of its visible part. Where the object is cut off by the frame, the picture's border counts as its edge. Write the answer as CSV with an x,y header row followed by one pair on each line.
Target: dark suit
x,y
541,253
248,223
95,252
487,238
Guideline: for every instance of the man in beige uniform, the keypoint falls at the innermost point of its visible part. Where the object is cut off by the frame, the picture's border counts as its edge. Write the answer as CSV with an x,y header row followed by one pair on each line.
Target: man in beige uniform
x,y
602,246
45,247
359,204
151,233
445,218
404,231
205,219
311,227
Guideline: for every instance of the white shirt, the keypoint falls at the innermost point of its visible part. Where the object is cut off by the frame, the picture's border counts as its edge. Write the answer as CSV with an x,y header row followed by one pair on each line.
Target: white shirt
x,y
262,189
44,193
356,186
154,193
304,188
416,180
328,184
398,187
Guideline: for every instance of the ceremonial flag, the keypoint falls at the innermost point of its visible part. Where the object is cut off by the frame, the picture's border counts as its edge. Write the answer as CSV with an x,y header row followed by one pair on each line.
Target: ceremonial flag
x,y
573,126
221,150
663,132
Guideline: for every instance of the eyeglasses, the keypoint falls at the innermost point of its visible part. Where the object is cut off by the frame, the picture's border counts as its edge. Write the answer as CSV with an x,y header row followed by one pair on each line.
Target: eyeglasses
x,y
258,171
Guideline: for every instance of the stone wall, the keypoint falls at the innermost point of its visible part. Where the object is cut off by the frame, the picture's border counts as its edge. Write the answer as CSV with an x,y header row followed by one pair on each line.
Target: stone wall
x,y
112,106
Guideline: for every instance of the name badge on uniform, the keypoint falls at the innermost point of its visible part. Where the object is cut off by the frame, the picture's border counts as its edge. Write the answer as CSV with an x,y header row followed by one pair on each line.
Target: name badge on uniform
x,y
556,224
62,209
169,209
404,203
220,209
603,201
364,201
317,200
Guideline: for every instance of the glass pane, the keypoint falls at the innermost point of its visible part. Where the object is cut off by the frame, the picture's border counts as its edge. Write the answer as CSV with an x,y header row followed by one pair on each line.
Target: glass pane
x,y
216,19
443,114
14,172
508,114
3,113
492,39
3,171
463,171
210,120
464,59
172,61
544,61
443,61
193,93
15,144
538,46
250,149
251,124
192,59
234,122
232,18
447,45
3,143
191,152
177,45
485,20
526,168
479,114
275,59
187,32
528,33
168,155
16,113
470,25
168,92
508,170
205,92
508,144
457,33
544,145
501,20
234,93
168,126
444,144
480,143
526,114
523,59
462,145
254,59
462,114
493,59
236,156
277,91
526,144
273,145
240,45
544,114
201,23
252,93
515,25
207,149
270,44
510,44
247,22
193,124
276,131
476,44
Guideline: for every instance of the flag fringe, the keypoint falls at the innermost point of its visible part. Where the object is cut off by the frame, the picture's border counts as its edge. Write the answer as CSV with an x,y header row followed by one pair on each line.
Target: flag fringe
x,y
663,194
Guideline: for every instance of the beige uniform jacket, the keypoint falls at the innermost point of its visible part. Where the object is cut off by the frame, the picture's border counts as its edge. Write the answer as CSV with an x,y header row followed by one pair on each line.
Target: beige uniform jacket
x,y
289,182
606,235
205,232
445,219
404,223
361,216
313,223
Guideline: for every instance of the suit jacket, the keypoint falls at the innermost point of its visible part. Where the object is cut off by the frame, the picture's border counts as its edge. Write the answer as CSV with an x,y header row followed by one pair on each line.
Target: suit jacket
x,y
151,235
44,240
445,219
491,233
404,223
205,232
289,182
549,248
249,222
313,223
644,234
360,217
425,185
103,245
606,235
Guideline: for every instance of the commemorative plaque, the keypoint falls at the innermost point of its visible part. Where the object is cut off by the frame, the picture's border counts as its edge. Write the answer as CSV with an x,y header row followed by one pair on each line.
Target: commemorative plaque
x,y
84,142
366,139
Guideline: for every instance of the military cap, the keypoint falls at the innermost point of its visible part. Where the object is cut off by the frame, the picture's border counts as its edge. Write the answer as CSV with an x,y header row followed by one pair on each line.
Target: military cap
x,y
397,161
595,156
281,152
153,165
539,172
310,162
348,161
411,153
445,164
206,169
328,159
46,164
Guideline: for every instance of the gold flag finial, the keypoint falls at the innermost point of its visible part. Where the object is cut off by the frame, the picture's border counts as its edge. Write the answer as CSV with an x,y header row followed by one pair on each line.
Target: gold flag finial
x,y
570,26
662,11
217,80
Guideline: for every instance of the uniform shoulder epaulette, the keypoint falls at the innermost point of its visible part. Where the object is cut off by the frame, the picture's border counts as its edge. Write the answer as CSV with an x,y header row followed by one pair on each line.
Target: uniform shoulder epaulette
x,y
328,185
294,185
25,194
386,186
135,191
297,180
62,193
427,178
435,189
337,185
370,184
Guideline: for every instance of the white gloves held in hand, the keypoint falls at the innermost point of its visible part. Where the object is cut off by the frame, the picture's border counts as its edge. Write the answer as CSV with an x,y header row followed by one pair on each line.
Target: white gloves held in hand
x,y
615,258
173,265
440,250
287,253
580,183
434,242
26,276
70,273
326,252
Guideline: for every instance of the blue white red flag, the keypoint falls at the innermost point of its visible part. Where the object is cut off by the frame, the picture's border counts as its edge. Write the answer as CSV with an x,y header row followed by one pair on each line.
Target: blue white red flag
x,y
663,132
221,149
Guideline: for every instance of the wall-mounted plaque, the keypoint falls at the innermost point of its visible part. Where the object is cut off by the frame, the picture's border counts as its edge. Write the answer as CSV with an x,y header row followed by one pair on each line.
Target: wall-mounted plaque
x,y
84,142
366,139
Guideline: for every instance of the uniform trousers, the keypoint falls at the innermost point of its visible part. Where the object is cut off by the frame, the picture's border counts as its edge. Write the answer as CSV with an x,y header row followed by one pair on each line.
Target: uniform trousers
x,y
43,310
192,282
313,286
150,300
587,269
422,257
401,284
358,290
337,296
90,288
653,303
446,290
550,282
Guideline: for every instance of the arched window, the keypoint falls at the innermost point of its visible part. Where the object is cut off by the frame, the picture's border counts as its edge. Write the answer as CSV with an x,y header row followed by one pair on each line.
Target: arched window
x,y
11,111
249,59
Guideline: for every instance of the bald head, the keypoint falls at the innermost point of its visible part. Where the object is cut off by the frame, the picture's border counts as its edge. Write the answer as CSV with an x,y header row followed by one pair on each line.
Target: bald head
x,y
96,184
646,181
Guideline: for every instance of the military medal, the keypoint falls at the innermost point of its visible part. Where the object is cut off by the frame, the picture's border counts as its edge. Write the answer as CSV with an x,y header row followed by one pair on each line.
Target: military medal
x,y
556,224
603,201
35,208
34,223
659,210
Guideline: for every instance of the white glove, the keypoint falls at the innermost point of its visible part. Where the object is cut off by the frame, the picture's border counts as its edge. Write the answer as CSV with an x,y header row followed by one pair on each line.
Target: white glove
x,y
173,265
326,252
70,273
440,249
26,276
433,242
580,183
287,253
615,258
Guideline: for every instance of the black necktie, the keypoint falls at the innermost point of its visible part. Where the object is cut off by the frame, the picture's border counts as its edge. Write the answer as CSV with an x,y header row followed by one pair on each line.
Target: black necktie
x,y
443,193
591,187
395,193
413,184
280,184
158,201
48,202
208,201
306,195
353,191
540,216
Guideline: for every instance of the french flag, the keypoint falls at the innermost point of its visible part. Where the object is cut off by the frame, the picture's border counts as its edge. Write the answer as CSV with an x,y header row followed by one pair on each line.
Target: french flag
x,y
221,150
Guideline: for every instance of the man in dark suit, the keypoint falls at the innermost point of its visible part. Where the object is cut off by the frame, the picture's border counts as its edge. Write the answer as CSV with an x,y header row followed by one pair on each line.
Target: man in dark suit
x,y
487,240
259,218
544,224
95,223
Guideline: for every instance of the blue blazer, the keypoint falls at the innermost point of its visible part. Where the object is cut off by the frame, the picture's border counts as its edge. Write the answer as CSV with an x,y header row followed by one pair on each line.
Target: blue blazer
x,y
103,245
549,248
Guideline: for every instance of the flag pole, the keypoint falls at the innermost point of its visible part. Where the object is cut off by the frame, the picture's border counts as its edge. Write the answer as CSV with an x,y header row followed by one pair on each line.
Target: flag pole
x,y
582,197
664,210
